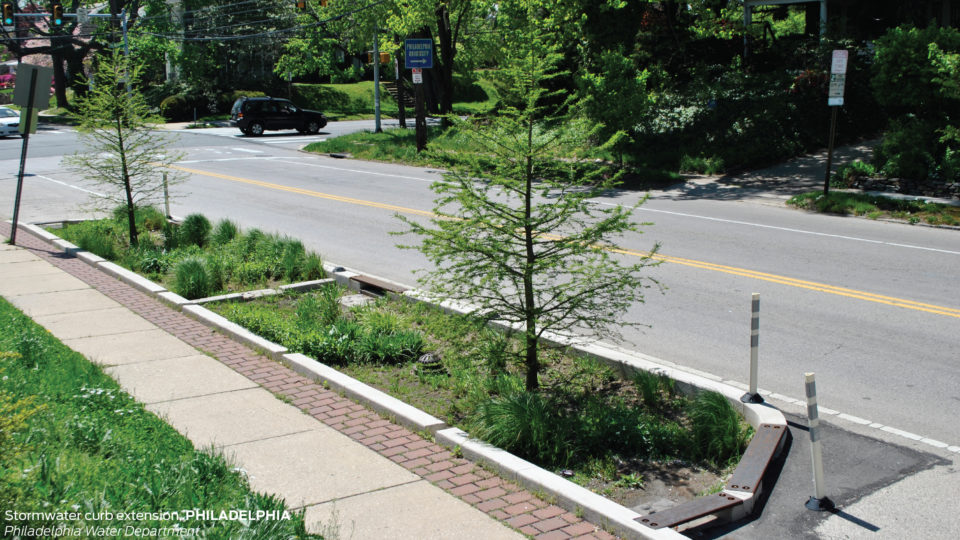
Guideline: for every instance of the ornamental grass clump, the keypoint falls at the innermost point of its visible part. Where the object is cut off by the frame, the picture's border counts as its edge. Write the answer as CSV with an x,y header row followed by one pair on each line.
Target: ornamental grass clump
x,y
191,278
195,230
718,435
224,232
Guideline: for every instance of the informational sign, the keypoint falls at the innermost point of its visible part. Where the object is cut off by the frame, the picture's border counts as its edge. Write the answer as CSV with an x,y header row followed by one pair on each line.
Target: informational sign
x,y
838,77
839,62
41,86
417,76
418,53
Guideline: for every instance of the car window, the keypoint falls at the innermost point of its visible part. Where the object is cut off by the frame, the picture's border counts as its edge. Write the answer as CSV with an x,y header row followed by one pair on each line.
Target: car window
x,y
8,113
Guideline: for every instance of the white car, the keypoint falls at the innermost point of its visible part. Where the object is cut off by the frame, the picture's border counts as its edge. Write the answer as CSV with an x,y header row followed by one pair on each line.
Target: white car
x,y
9,122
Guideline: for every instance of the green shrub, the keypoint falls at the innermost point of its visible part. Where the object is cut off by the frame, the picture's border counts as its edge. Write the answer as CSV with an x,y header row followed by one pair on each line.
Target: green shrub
x,y
98,239
170,237
320,308
526,424
191,279
387,347
148,260
225,101
718,435
292,259
848,173
224,232
250,240
195,230
313,267
182,107
253,272
648,386
700,164
218,270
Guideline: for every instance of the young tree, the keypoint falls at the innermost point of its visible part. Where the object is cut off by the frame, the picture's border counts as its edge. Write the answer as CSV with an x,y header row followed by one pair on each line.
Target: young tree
x,y
517,234
121,153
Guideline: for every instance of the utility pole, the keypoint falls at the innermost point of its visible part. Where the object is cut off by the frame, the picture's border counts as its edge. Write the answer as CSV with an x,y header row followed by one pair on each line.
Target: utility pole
x,y
376,81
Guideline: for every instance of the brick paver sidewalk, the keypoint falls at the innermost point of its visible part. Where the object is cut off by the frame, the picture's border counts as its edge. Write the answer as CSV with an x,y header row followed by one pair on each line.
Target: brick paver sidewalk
x,y
488,492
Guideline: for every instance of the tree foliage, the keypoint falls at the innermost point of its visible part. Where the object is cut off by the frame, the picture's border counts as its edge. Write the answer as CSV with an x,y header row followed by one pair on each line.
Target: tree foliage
x,y
120,152
916,80
516,233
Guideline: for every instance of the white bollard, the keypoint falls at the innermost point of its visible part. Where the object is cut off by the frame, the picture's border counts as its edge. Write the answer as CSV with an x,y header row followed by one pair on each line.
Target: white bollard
x,y
753,396
819,501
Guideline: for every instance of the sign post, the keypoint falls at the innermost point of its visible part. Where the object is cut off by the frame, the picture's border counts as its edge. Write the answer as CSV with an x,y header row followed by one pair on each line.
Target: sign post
x,y
37,91
417,56
838,76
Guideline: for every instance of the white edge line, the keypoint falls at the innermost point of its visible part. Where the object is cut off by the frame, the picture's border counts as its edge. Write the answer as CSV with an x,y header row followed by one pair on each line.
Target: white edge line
x,y
69,185
787,229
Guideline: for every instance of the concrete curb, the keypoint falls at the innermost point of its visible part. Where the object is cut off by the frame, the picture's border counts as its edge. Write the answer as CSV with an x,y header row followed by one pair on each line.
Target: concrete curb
x,y
568,495
577,499
234,330
385,404
130,278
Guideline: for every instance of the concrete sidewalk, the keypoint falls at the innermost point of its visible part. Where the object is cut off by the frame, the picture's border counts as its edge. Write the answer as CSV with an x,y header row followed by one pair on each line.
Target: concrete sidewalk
x,y
294,438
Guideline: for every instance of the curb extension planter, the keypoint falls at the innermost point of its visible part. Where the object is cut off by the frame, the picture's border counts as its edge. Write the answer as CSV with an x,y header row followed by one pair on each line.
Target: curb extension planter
x,y
621,520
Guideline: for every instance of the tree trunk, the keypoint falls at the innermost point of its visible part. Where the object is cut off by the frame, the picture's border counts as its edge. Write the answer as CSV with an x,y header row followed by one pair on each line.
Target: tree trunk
x,y
75,70
529,299
127,188
447,52
398,76
59,80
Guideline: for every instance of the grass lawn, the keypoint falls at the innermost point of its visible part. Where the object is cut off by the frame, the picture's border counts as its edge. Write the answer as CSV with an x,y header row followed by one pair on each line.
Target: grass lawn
x,y
75,446
446,149
876,207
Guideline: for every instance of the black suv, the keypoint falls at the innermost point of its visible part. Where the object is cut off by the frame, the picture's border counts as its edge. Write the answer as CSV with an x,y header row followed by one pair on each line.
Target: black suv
x,y
254,115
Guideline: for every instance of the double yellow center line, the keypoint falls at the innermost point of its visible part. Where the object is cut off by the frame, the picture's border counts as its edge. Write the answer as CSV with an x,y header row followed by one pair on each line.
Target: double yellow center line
x,y
733,270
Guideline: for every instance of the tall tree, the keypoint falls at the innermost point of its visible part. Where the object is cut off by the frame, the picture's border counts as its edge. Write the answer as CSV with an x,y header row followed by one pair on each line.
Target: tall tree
x,y
120,152
517,234
70,44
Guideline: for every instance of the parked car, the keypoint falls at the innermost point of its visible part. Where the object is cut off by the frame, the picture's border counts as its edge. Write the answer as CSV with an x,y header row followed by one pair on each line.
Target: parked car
x,y
254,115
9,122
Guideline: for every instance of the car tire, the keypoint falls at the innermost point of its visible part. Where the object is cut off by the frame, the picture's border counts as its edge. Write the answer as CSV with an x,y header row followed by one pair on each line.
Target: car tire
x,y
313,127
255,129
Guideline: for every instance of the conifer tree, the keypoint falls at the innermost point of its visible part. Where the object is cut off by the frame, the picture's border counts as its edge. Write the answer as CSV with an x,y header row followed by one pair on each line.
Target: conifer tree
x,y
517,233
120,152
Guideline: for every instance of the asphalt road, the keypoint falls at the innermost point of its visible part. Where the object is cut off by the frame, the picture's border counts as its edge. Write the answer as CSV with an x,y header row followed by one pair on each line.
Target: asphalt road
x,y
872,307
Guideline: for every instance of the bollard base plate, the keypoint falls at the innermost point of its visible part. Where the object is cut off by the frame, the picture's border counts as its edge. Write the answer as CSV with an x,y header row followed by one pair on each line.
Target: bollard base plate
x,y
750,397
820,505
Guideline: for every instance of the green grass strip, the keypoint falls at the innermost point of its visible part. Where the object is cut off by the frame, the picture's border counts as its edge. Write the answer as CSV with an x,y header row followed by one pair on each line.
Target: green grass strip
x,y
80,456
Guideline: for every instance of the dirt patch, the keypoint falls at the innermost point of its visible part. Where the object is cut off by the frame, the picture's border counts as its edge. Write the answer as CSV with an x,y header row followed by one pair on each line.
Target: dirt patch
x,y
663,485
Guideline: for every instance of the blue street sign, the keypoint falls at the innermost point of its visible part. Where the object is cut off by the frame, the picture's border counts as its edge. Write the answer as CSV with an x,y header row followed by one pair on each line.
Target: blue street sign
x,y
418,53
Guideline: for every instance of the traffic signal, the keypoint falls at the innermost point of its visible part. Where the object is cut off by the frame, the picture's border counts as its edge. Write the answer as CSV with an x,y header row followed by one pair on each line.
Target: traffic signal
x,y
8,13
56,15
302,5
